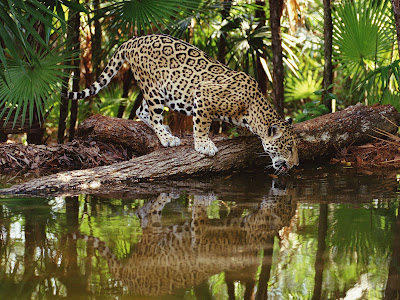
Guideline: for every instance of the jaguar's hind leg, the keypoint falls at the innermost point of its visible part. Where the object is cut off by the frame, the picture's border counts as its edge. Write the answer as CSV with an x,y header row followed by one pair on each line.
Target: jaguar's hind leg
x,y
151,112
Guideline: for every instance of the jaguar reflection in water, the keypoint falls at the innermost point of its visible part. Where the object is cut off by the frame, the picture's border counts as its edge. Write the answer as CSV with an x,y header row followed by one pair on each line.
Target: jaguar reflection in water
x,y
179,256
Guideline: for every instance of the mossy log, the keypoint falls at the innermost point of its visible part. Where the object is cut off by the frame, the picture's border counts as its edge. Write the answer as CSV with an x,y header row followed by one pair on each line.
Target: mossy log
x,y
319,138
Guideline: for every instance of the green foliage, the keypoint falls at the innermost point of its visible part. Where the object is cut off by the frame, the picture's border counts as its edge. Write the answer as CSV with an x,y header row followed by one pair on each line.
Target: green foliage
x,y
145,15
392,98
15,30
311,110
30,68
233,133
381,85
363,35
302,86
18,21
248,39
34,89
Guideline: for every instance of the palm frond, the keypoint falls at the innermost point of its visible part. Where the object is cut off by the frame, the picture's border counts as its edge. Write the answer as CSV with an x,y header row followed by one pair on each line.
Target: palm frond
x,y
145,15
33,90
363,35
381,82
16,27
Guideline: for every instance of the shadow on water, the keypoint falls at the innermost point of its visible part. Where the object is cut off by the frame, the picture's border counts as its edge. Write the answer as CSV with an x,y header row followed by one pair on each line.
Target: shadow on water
x,y
323,235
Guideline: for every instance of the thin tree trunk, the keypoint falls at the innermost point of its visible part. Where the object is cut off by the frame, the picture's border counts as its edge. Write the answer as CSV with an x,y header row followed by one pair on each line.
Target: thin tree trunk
x,y
72,40
328,68
396,10
261,76
62,120
222,42
127,84
35,135
136,105
96,43
70,256
319,260
230,285
96,55
217,126
275,7
392,290
265,273
75,24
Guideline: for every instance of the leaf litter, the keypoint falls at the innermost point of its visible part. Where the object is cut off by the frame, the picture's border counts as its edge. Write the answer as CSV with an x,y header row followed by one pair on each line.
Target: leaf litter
x,y
77,154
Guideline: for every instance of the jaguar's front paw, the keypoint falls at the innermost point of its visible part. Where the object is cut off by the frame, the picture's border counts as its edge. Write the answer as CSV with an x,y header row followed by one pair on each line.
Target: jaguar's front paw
x,y
170,141
206,147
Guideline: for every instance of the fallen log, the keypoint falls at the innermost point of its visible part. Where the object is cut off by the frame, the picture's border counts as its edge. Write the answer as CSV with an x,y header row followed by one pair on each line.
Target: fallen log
x,y
319,137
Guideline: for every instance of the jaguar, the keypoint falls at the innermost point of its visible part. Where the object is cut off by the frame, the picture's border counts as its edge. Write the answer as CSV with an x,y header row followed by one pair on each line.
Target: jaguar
x,y
175,74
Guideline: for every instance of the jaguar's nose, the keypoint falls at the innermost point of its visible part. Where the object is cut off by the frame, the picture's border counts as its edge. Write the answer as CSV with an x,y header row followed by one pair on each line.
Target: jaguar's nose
x,y
280,165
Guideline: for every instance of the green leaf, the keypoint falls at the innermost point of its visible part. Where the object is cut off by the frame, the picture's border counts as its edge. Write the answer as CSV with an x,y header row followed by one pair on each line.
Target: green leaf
x,y
75,6
331,96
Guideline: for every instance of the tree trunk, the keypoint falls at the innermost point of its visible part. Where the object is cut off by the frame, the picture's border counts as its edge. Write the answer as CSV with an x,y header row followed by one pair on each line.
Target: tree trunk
x,y
75,24
396,10
261,76
319,138
72,39
265,273
96,43
275,7
35,135
136,105
126,87
328,68
62,120
320,260
392,290
222,45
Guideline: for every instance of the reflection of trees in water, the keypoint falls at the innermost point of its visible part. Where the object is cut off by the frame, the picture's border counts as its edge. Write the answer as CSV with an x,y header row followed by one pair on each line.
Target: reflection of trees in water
x,y
65,266
349,247
170,257
392,290
60,266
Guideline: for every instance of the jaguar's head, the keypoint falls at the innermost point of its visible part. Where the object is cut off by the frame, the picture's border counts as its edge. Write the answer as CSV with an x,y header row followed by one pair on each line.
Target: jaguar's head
x,y
280,143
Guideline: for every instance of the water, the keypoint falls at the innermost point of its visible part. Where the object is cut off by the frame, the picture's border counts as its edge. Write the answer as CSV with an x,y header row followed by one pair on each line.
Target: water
x,y
322,234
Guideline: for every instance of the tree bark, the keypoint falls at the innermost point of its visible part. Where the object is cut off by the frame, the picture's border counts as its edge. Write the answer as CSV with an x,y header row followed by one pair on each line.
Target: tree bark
x,y
136,105
75,24
96,43
222,43
126,87
392,290
319,138
328,68
275,7
261,76
320,259
72,38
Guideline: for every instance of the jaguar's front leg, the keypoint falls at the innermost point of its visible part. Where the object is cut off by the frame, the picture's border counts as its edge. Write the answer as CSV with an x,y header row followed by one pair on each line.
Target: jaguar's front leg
x,y
151,112
201,126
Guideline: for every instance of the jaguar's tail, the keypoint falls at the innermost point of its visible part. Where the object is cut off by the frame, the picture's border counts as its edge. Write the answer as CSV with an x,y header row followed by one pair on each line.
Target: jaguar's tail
x,y
104,79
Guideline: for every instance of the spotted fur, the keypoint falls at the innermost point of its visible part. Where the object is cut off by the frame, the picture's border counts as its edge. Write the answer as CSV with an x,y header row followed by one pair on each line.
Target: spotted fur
x,y
180,76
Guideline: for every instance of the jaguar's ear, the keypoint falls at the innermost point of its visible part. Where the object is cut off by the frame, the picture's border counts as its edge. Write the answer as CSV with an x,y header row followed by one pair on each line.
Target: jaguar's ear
x,y
289,121
274,131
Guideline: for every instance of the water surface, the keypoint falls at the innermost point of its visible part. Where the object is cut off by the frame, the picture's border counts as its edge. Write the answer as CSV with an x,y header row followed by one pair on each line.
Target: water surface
x,y
322,234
